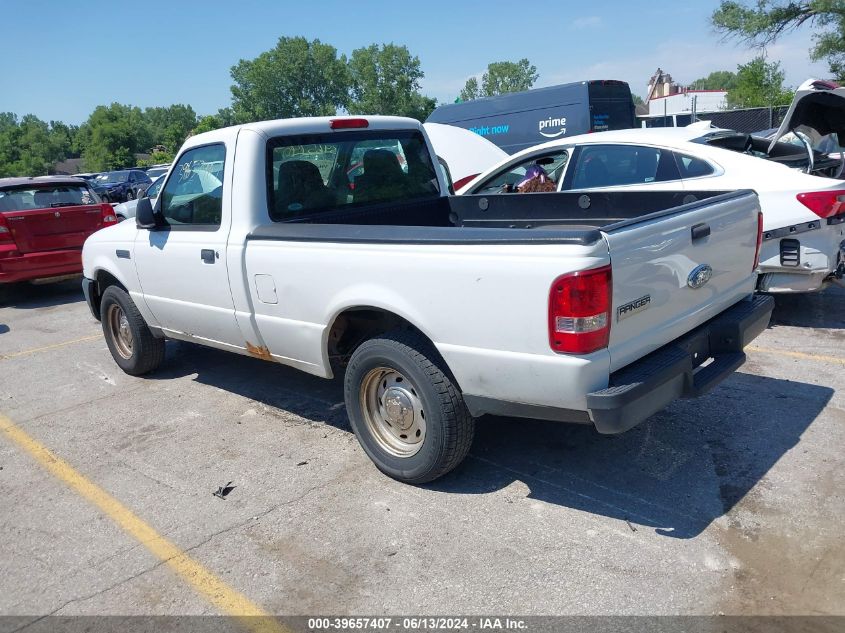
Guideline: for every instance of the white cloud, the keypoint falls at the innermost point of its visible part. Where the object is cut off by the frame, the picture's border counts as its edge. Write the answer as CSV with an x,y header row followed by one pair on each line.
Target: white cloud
x,y
686,61
586,22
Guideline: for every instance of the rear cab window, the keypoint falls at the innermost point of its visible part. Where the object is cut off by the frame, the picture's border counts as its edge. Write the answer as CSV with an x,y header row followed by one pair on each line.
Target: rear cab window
x,y
311,174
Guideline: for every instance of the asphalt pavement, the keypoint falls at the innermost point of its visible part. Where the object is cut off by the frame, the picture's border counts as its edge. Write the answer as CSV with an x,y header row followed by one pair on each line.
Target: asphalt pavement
x,y
730,504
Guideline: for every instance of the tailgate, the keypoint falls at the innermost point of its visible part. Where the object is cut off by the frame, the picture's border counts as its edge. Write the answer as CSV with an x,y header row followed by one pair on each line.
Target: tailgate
x,y
661,263
53,228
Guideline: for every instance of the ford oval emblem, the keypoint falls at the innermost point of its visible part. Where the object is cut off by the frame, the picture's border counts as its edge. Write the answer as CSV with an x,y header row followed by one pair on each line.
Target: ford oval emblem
x,y
699,276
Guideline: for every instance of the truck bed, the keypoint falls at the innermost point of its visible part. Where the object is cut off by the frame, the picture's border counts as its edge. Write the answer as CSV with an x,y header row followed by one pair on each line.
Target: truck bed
x,y
577,212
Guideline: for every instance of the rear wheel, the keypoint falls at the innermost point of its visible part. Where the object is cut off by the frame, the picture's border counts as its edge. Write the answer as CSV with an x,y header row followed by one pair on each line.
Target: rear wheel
x,y
130,195
130,341
405,409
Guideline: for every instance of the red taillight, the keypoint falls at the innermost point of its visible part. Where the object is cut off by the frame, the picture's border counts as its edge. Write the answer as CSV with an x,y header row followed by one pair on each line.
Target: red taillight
x,y
463,181
824,204
348,124
759,240
109,217
579,311
5,232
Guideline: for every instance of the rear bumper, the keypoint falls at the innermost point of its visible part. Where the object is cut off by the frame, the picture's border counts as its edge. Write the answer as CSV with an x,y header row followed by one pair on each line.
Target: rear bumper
x,y
675,370
30,266
803,257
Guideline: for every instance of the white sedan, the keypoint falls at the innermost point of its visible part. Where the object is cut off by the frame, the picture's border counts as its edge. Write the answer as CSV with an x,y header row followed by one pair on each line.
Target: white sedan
x,y
803,215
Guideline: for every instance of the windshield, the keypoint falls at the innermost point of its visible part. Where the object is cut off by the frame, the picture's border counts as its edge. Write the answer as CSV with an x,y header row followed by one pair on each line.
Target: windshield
x,y
45,197
113,176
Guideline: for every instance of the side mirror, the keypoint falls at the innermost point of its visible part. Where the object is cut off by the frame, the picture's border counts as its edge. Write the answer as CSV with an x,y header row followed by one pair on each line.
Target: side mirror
x,y
142,193
144,216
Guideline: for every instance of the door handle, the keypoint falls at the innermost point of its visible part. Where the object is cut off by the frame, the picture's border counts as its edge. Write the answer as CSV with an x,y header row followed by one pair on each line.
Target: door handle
x,y
700,231
208,255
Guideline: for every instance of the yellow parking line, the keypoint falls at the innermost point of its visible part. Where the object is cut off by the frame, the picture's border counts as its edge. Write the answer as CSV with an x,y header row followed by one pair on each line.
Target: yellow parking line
x,y
47,348
783,352
218,593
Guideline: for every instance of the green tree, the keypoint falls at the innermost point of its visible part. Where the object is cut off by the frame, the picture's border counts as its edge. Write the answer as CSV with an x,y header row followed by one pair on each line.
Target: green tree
x,y
501,77
29,147
157,158
224,118
62,139
717,80
386,80
637,99
112,136
170,126
758,84
470,90
763,21
206,124
8,143
296,78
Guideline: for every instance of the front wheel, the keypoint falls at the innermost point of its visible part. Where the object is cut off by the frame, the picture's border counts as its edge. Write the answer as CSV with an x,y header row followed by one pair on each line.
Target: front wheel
x,y
130,341
405,409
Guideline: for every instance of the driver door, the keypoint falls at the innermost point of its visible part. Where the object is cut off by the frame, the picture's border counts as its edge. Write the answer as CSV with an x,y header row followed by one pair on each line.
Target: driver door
x,y
182,266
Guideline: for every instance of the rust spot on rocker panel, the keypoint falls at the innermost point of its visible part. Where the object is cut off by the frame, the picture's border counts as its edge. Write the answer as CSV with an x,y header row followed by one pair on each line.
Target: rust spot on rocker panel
x,y
259,352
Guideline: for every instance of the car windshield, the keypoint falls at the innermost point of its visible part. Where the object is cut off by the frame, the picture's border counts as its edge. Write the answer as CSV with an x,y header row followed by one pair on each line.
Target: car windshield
x,y
113,176
154,172
45,197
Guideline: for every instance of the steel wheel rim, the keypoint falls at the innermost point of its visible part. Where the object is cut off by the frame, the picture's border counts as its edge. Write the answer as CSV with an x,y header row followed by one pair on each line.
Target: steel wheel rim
x,y
393,411
121,333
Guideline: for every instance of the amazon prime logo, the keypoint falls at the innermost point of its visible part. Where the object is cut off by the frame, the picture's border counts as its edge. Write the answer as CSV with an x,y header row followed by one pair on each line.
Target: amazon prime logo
x,y
554,127
699,276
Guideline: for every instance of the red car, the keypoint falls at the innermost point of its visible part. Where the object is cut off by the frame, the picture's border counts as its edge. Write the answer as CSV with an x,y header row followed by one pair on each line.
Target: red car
x,y
43,224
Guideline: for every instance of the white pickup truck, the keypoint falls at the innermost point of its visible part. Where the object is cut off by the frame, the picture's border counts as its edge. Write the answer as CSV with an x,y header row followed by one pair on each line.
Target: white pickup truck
x,y
332,244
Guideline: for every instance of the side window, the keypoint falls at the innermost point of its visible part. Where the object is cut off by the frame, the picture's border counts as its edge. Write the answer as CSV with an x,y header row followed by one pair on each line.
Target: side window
x,y
693,167
194,192
616,165
510,177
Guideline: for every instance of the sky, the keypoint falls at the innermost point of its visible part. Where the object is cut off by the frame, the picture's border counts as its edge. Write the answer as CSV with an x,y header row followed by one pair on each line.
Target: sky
x,y
59,60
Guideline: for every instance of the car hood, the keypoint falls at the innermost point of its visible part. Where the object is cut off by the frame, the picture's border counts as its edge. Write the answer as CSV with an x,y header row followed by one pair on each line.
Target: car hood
x,y
466,153
819,105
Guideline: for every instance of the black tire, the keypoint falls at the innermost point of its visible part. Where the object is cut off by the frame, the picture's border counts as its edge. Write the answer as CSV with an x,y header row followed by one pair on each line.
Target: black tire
x,y
147,351
449,427
130,195
105,198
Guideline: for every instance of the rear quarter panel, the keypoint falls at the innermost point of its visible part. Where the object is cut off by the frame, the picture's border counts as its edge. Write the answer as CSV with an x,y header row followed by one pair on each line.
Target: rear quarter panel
x,y
485,307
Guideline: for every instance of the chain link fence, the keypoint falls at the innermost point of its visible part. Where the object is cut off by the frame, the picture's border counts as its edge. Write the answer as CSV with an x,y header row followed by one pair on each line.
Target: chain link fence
x,y
747,120
744,120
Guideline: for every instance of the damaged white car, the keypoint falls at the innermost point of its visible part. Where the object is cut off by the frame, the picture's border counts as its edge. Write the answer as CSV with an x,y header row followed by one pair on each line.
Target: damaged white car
x,y
803,213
